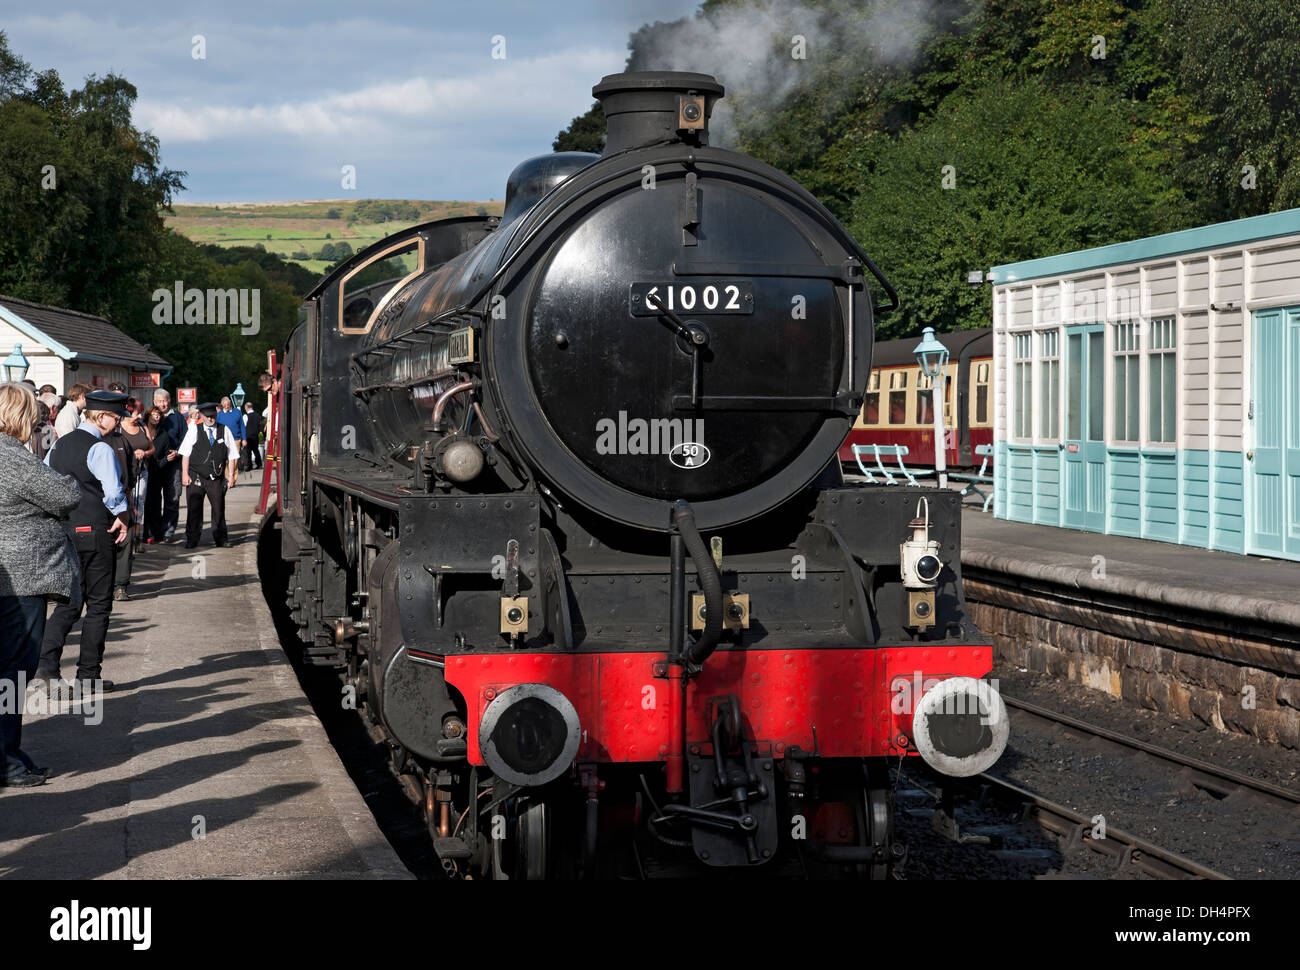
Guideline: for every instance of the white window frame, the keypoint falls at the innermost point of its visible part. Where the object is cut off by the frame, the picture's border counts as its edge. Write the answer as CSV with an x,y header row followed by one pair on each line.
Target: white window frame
x,y
1160,340
1126,344
1041,372
1021,340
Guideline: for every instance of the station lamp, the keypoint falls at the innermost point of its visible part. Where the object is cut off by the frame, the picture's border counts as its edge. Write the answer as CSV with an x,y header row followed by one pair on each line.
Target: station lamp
x,y
16,365
932,357
237,395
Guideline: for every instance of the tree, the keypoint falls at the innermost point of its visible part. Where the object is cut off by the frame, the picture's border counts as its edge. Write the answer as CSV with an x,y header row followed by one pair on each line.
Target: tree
x,y
81,190
1242,60
1066,181
585,133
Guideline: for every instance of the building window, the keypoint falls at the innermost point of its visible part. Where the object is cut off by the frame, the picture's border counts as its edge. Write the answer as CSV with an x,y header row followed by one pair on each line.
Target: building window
x,y
1022,376
1162,382
871,406
898,397
981,394
1050,380
1126,381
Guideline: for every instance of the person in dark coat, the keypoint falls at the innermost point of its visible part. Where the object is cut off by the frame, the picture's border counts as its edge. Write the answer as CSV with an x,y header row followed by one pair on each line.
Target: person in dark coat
x,y
37,563
126,467
165,473
252,432
208,456
95,526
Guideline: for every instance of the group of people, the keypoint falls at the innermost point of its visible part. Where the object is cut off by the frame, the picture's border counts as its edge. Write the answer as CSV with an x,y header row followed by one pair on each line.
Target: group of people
x,y
72,492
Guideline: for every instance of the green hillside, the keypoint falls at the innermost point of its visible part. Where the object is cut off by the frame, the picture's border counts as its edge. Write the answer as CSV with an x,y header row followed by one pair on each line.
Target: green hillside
x,y
297,231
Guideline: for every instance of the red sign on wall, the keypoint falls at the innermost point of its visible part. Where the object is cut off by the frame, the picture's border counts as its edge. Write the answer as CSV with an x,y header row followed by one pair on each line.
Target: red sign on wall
x,y
146,380
187,395
99,381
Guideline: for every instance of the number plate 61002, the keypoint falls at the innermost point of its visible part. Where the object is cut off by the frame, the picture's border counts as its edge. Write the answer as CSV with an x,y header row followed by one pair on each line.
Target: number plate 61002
x,y
703,296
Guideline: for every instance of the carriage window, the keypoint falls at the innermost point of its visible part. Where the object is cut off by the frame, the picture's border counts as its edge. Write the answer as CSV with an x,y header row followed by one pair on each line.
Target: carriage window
x,y
1126,381
367,289
925,406
981,393
897,407
1161,381
898,397
871,402
1050,374
1022,424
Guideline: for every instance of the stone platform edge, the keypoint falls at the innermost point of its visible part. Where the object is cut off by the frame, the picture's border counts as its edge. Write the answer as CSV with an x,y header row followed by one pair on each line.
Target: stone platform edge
x,y
349,807
1196,600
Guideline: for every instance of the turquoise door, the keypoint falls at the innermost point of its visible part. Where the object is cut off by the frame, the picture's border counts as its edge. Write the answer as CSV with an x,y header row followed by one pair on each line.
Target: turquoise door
x,y
1274,463
1084,505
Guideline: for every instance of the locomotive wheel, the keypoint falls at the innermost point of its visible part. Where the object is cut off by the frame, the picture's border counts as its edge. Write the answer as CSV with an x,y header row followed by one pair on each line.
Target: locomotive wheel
x,y
876,822
532,835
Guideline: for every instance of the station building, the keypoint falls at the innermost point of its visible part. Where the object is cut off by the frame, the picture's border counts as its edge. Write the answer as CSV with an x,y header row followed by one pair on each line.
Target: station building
x,y
67,346
1152,388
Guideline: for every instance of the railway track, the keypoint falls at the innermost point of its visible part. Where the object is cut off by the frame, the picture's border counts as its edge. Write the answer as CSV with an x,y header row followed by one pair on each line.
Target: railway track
x,y
1220,782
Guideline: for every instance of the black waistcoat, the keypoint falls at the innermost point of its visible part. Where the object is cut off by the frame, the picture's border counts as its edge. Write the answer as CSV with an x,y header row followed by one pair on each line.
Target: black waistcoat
x,y
208,460
69,458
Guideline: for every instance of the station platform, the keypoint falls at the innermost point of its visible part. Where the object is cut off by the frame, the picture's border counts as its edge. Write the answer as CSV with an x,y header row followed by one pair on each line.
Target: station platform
x,y
1248,587
207,760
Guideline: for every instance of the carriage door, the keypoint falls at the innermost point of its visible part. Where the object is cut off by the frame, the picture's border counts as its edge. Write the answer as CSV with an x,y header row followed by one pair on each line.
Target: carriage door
x,y
1084,445
1273,466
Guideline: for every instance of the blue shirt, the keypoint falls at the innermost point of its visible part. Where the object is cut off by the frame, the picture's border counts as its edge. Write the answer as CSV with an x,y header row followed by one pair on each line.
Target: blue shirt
x,y
103,465
232,421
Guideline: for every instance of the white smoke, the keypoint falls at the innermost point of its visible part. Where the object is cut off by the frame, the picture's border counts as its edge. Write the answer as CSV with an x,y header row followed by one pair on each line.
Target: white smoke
x,y
752,47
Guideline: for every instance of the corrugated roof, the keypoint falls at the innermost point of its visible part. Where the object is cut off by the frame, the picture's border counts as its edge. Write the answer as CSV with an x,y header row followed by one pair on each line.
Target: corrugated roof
x,y
82,335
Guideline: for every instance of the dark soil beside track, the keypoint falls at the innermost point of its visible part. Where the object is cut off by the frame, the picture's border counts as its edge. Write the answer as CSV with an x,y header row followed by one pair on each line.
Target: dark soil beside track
x,y
1242,836
1187,736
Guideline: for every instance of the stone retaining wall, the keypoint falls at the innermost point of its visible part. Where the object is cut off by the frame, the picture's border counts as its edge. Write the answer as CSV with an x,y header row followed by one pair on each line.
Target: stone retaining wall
x,y
1158,662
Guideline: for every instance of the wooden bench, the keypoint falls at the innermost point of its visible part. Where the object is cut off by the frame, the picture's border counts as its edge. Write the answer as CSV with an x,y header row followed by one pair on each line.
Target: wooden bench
x,y
975,479
897,452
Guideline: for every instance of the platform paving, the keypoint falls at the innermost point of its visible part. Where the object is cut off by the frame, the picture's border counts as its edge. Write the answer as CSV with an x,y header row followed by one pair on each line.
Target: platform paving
x,y
1249,587
208,762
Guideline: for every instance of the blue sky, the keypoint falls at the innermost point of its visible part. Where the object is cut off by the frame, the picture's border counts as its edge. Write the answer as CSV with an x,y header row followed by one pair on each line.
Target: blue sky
x,y
288,93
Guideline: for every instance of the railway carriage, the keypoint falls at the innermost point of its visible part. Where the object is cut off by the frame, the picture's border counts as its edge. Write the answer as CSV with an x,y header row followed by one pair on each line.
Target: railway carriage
x,y
561,501
898,406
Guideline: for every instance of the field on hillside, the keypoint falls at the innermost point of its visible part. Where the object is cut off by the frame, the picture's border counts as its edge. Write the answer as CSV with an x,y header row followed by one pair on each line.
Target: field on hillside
x,y
292,229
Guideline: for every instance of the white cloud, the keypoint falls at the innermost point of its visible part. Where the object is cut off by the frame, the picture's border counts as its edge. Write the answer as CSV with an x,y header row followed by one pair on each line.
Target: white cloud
x,y
543,90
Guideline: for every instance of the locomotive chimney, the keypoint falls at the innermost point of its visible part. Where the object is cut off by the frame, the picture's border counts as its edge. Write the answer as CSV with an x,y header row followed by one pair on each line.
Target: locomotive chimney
x,y
647,107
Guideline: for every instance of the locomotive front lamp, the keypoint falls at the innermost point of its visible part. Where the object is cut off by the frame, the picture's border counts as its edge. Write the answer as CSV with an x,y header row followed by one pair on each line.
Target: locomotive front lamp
x,y
16,365
932,356
237,395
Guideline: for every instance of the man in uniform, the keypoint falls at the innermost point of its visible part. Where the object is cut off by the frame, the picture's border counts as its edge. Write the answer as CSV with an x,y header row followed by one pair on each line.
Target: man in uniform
x,y
208,456
95,525
167,464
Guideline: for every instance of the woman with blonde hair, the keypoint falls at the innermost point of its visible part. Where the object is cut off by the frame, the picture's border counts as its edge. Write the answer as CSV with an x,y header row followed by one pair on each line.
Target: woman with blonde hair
x,y
37,562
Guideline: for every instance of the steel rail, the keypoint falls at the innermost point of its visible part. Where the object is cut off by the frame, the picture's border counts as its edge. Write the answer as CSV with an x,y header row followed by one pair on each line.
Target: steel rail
x,y
1128,850
1204,775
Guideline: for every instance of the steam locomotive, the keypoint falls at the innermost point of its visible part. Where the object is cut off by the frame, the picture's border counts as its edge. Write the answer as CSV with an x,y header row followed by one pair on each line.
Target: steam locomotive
x,y
561,500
